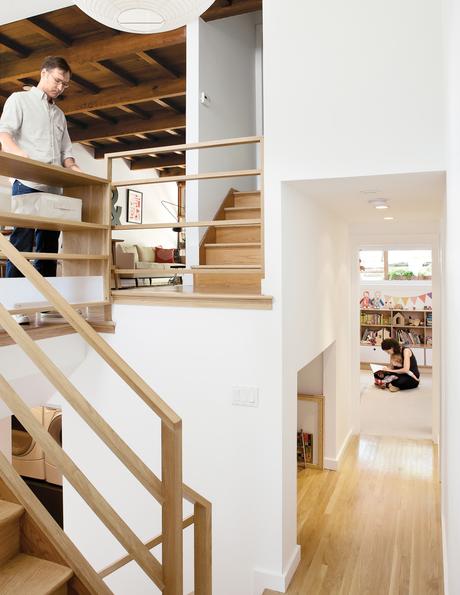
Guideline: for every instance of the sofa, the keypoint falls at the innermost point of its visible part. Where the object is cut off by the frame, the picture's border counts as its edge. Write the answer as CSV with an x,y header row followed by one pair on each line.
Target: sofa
x,y
144,262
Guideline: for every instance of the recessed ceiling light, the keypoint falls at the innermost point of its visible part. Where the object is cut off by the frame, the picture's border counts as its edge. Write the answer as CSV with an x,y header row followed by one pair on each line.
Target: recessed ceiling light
x,y
369,191
378,203
388,218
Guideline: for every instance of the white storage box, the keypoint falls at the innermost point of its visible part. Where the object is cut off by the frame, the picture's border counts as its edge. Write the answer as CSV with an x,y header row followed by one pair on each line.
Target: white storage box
x,y
45,204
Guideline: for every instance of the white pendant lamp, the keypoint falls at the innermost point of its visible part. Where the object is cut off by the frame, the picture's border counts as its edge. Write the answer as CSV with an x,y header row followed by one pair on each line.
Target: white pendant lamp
x,y
144,16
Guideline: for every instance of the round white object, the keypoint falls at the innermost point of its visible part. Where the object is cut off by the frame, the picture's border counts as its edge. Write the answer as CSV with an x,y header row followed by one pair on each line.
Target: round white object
x,y
144,16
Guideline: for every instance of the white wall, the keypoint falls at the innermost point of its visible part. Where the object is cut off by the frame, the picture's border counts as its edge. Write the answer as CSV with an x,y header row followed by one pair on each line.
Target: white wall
x,y
315,304
232,455
450,446
221,62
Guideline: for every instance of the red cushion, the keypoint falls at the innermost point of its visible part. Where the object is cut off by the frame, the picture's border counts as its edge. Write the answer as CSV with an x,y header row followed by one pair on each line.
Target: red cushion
x,y
164,255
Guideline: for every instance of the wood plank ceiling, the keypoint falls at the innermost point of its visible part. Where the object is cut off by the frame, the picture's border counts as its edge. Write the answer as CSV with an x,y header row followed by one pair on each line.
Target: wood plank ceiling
x,y
127,91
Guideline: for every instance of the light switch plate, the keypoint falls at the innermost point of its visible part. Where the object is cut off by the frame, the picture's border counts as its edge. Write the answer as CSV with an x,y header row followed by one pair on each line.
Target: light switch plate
x,y
245,396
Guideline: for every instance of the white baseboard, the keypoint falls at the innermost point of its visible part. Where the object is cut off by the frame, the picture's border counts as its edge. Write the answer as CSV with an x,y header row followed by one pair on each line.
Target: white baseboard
x,y
263,579
334,464
444,556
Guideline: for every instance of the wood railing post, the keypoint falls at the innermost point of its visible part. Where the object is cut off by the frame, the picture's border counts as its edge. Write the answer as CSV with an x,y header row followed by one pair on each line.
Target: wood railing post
x,y
171,474
203,549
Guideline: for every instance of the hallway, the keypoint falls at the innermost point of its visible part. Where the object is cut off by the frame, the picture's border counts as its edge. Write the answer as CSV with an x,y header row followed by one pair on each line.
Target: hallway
x,y
373,527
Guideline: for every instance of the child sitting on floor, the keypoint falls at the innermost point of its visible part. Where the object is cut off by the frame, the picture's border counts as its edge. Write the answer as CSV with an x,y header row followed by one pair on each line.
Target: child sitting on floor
x,y
384,377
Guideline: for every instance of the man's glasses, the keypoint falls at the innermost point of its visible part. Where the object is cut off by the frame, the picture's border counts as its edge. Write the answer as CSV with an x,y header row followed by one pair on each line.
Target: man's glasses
x,y
60,82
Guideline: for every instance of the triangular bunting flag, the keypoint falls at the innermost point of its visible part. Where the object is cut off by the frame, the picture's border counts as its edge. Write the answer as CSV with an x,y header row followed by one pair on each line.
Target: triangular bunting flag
x,y
414,299
423,297
430,295
405,300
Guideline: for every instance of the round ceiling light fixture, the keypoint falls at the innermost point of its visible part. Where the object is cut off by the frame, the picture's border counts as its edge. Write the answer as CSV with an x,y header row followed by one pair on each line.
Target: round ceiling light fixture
x,y
144,16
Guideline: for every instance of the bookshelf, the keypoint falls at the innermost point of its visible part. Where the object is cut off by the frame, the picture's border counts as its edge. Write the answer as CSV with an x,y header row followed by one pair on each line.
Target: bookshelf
x,y
310,447
413,328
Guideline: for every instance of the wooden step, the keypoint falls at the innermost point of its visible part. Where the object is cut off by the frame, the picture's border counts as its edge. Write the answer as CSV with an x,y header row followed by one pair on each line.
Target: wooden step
x,y
248,283
242,213
10,515
238,233
246,199
27,575
230,253
227,269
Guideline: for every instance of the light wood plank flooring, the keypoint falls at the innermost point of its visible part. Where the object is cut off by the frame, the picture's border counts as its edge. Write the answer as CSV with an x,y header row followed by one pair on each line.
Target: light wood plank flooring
x,y
373,527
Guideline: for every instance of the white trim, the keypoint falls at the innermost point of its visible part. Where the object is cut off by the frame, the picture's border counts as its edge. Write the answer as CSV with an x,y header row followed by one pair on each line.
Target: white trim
x,y
444,556
334,464
263,579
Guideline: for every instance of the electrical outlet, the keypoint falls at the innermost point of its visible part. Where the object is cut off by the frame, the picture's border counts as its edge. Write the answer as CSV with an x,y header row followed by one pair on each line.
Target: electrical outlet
x,y
245,396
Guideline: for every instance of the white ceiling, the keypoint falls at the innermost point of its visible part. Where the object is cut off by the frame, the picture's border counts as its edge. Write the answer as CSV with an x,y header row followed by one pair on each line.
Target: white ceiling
x,y
14,11
411,197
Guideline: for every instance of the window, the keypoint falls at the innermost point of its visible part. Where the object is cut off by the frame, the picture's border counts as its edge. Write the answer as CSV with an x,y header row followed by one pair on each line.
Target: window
x,y
395,265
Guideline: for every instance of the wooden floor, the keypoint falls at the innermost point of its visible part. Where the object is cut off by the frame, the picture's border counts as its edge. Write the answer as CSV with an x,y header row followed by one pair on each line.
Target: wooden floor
x,y
373,527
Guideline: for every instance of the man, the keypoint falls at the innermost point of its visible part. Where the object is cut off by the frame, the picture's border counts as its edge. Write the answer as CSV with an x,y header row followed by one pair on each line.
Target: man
x,y
33,126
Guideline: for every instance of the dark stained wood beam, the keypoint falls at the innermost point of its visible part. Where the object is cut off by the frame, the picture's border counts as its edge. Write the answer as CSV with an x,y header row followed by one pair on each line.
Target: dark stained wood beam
x,y
84,51
100,151
81,82
133,109
172,171
152,59
122,95
99,116
76,123
52,33
157,162
230,10
121,73
17,48
129,127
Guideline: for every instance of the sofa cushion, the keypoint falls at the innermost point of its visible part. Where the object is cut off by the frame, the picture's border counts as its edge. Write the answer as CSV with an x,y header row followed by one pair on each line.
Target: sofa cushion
x,y
145,253
128,249
155,266
164,255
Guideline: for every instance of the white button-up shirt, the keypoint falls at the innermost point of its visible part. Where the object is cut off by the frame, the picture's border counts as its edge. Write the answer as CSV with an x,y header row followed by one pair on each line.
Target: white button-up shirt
x,y
39,128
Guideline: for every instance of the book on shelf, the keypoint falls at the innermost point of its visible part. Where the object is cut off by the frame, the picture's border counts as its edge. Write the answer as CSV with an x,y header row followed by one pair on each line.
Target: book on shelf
x,y
374,336
409,337
304,447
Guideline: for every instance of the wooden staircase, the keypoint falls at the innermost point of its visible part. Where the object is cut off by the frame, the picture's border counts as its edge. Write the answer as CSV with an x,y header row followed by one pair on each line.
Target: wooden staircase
x,y
231,257
21,572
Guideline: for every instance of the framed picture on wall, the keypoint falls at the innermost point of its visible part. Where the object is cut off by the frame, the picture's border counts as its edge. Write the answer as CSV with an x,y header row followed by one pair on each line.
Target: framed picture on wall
x,y
134,206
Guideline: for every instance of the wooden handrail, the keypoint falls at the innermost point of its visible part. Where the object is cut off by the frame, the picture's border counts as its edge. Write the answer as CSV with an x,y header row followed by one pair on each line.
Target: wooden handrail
x,y
45,522
192,177
60,381
148,544
214,223
84,487
117,363
210,144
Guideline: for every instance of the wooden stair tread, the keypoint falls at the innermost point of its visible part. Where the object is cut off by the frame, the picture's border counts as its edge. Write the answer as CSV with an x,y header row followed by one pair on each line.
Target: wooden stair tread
x,y
243,267
29,575
9,511
242,209
235,245
246,192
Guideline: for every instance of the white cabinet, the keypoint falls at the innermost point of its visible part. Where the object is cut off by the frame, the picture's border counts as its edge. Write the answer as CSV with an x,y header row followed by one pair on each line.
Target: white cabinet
x,y
428,357
374,354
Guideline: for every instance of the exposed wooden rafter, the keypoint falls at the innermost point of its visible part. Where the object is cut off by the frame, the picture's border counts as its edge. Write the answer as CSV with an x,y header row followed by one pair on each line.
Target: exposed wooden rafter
x,y
52,33
122,95
85,84
133,109
128,127
109,66
14,46
158,162
152,59
231,9
99,152
84,51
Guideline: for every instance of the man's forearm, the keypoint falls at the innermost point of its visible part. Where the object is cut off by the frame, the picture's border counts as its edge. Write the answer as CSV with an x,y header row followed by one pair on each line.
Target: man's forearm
x,y
10,146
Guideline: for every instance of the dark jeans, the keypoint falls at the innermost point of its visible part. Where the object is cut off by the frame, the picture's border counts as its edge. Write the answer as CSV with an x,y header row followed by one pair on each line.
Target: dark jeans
x,y
405,382
25,240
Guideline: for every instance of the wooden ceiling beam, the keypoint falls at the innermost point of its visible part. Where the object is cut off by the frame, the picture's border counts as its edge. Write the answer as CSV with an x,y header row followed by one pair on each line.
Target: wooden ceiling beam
x,y
153,60
100,151
232,9
123,95
81,82
129,127
98,116
133,109
121,73
52,33
84,51
17,48
158,162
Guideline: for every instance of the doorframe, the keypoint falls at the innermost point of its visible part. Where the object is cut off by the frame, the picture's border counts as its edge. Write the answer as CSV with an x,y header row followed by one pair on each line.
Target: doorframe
x,y
396,242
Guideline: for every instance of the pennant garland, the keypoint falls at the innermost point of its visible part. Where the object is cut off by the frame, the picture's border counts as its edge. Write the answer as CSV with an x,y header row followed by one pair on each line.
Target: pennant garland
x,y
394,300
